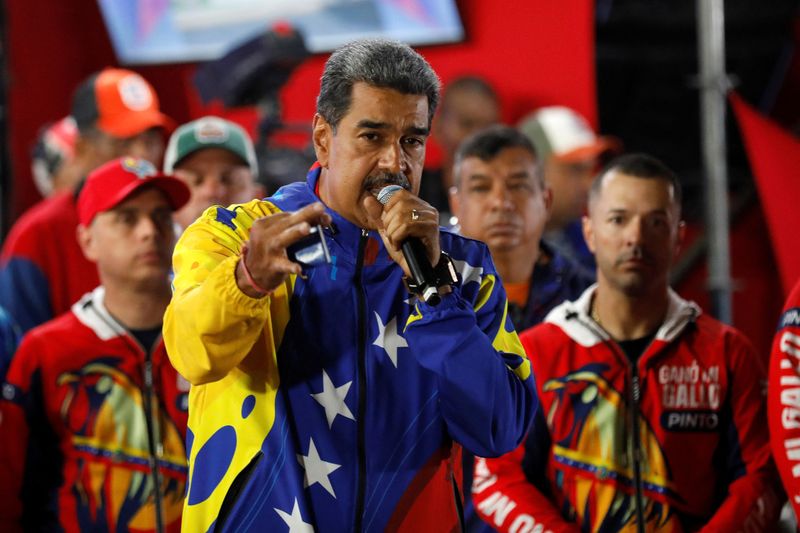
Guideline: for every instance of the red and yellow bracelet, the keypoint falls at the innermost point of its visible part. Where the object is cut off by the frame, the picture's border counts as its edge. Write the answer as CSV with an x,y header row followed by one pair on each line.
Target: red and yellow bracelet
x,y
249,277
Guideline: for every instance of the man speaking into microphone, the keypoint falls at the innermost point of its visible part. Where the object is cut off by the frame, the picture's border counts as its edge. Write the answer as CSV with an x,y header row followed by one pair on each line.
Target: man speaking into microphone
x,y
336,395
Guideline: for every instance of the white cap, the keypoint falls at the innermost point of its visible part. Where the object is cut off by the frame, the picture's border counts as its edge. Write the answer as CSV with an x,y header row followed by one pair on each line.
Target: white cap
x,y
564,134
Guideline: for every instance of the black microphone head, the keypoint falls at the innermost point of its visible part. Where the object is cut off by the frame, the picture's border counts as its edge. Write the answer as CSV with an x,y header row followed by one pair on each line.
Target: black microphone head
x,y
387,192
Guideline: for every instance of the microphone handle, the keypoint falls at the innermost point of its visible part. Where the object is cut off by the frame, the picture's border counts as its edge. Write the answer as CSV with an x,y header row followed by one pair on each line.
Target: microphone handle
x,y
422,272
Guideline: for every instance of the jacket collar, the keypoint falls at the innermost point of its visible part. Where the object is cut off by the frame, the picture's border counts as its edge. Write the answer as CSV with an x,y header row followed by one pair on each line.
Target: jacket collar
x,y
575,320
92,313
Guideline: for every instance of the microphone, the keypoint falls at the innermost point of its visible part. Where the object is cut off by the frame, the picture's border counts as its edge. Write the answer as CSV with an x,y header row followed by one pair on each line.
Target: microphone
x,y
422,273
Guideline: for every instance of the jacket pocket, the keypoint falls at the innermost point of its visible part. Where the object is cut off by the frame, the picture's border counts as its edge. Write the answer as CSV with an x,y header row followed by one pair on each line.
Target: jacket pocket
x,y
236,488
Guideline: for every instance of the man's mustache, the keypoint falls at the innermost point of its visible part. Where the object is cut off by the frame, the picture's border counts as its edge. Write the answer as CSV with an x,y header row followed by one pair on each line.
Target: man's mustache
x,y
382,179
637,253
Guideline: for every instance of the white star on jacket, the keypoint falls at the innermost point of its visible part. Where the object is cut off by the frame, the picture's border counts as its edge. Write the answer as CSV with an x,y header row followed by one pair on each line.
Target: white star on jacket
x,y
411,300
295,520
389,339
317,470
468,272
332,399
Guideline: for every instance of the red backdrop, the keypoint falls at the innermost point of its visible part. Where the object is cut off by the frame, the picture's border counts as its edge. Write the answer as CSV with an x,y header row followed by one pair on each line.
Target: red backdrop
x,y
538,53
541,54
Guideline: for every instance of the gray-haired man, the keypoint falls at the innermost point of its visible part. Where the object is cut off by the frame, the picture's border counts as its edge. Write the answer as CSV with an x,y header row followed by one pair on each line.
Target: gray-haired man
x,y
336,400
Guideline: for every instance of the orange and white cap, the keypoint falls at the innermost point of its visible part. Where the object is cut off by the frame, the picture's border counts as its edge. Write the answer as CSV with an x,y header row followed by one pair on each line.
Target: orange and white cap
x,y
564,134
119,103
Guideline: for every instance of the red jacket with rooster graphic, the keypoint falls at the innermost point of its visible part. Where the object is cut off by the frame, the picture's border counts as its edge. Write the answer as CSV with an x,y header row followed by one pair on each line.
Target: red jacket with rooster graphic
x,y
680,436
86,415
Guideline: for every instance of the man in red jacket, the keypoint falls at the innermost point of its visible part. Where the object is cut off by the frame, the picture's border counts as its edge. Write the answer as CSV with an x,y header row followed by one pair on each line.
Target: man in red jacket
x,y
783,403
652,414
42,269
92,414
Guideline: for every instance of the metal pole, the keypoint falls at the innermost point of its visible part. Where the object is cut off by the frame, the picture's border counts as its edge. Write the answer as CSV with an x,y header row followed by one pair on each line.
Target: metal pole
x,y
713,89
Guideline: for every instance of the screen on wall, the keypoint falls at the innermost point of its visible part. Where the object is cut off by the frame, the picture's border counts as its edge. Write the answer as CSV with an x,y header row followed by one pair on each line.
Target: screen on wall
x,y
169,31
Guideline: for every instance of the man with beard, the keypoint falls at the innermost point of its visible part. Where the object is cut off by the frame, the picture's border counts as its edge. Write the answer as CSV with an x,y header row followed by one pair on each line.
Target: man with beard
x,y
652,413
93,416
500,198
335,395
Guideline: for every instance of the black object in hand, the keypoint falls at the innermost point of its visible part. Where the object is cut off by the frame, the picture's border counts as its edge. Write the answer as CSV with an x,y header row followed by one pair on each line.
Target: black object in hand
x,y
311,250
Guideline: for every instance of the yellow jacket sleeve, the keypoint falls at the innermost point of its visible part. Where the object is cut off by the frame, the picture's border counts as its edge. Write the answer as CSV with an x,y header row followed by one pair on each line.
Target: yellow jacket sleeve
x,y
210,325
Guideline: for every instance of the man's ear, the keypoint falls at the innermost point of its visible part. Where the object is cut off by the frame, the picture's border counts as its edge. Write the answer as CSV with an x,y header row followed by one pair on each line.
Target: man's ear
x,y
321,133
588,233
454,200
681,236
86,242
547,197
84,152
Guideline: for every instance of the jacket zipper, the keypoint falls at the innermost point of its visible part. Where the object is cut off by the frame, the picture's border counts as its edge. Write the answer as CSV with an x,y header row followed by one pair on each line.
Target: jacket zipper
x,y
362,384
152,442
635,446
148,394
634,438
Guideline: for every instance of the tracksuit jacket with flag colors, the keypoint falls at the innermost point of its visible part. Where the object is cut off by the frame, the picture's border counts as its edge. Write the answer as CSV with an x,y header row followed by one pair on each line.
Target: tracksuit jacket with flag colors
x,y
681,435
92,429
337,402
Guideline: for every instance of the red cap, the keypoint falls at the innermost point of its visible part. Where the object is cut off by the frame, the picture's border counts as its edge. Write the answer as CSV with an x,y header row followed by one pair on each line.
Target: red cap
x,y
119,103
112,183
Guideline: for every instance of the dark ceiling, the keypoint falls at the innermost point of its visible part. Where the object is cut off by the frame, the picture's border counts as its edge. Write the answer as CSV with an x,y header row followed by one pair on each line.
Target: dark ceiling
x,y
647,68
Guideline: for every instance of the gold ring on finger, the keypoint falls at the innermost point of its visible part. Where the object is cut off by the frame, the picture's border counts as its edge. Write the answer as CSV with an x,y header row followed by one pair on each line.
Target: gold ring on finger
x,y
414,214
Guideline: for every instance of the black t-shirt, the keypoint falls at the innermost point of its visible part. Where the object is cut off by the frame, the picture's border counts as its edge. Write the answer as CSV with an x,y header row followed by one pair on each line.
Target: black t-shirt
x,y
146,337
634,348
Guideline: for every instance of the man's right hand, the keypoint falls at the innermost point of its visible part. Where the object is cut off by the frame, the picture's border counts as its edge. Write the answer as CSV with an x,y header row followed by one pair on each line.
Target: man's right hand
x,y
266,256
